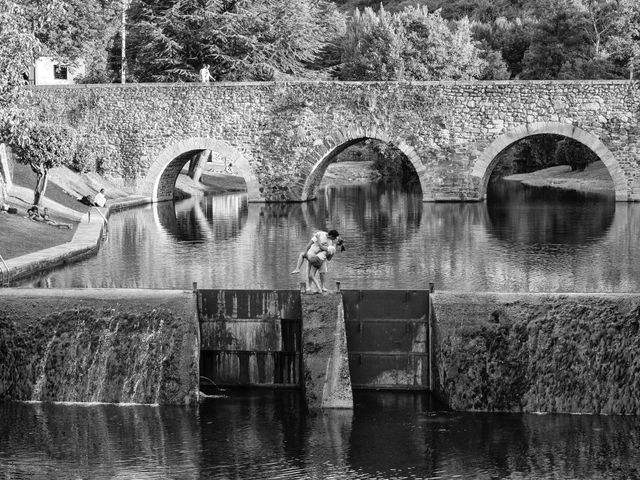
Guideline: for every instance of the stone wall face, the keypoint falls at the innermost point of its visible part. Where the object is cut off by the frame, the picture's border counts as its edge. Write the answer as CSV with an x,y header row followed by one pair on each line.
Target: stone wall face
x,y
564,353
285,134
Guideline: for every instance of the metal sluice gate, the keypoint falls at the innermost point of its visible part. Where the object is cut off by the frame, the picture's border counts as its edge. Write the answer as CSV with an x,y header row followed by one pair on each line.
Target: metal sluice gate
x,y
253,338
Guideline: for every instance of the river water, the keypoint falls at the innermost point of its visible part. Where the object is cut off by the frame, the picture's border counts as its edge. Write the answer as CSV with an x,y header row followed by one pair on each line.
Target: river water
x,y
264,435
521,239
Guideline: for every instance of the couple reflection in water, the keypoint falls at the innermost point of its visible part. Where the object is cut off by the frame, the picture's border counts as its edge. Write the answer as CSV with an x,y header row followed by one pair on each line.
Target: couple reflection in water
x,y
318,252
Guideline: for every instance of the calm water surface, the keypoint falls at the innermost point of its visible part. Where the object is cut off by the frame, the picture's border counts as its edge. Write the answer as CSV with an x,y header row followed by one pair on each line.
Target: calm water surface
x,y
266,435
521,239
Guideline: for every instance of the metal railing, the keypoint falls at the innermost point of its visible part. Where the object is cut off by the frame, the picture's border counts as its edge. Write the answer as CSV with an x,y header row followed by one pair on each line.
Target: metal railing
x,y
5,274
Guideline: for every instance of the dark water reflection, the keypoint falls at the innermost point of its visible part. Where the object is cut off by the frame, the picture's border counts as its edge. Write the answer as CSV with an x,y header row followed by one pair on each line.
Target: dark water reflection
x,y
522,239
266,435
548,216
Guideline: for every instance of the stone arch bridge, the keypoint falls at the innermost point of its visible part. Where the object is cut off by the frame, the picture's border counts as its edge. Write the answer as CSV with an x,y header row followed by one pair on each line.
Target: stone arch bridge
x,y
282,136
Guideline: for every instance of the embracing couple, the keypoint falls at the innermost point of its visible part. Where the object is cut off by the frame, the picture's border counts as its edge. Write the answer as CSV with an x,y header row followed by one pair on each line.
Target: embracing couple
x,y
318,252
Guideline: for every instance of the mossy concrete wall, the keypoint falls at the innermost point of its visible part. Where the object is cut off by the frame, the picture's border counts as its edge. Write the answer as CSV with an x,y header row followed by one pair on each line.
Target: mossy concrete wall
x,y
99,345
282,136
538,352
327,380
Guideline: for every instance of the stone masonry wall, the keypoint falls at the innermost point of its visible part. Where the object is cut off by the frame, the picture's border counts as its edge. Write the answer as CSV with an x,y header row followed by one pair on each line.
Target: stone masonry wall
x,y
284,135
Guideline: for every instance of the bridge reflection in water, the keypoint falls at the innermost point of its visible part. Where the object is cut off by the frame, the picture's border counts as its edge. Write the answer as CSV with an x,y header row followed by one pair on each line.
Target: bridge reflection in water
x,y
529,240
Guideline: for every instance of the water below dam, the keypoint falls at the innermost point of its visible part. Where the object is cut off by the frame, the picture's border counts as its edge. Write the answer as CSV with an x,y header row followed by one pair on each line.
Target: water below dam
x,y
522,239
258,435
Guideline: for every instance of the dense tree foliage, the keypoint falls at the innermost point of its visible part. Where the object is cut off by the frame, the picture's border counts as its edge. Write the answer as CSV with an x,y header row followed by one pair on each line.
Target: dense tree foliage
x,y
74,30
241,39
413,44
544,39
18,49
170,40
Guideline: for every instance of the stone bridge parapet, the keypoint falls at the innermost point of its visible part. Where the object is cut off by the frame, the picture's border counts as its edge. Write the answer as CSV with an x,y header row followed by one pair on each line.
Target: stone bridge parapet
x,y
281,136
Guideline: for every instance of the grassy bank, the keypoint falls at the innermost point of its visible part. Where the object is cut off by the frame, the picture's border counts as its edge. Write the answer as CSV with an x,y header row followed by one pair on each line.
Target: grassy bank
x,y
19,235
594,178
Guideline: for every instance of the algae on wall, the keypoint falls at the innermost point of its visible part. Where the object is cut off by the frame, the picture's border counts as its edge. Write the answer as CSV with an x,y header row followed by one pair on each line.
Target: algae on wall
x,y
98,346
539,352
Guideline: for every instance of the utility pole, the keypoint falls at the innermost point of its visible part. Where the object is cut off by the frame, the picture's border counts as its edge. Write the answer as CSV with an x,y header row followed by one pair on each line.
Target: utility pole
x,y
123,46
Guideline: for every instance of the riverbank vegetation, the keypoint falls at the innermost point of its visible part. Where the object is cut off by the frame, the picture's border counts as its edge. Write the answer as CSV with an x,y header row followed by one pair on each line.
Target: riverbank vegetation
x,y
542,152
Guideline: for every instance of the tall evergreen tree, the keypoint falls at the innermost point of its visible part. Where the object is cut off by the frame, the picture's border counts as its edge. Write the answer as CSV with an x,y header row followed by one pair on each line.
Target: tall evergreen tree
x,y
559,37
240,40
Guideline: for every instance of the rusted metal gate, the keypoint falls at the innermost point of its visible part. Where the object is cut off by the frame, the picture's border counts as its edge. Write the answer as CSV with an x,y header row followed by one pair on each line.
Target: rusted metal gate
x,y
388,338
250,337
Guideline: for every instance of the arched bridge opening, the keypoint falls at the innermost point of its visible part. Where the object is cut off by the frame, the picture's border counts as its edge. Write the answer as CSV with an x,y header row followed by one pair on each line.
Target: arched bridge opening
x,y
197,153
560,136
388,156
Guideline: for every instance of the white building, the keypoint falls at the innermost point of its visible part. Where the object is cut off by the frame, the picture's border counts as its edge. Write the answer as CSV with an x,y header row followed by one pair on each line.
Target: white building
x,y
47,71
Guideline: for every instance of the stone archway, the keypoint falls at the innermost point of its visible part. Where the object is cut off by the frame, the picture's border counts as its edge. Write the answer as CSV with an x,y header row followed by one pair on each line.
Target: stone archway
x,y
484,165
335,143
162,174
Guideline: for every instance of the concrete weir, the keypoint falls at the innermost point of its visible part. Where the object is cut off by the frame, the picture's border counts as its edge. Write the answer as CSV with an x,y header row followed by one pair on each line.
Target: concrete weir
x,y
537,352
515,352
99,345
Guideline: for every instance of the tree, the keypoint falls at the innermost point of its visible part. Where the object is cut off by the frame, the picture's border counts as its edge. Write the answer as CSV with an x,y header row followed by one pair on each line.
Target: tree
x,y
437,49
413,44
624,43
47,145
559,37
372,47
511,38
575,154
601,17
73,30
241,40
18,48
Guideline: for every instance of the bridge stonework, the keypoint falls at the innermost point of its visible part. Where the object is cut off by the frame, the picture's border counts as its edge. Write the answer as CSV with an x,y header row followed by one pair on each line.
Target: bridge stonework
x,y
282,136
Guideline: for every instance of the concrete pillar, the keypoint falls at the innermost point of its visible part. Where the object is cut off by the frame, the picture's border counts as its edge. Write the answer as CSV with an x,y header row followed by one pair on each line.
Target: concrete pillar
x,y
327,380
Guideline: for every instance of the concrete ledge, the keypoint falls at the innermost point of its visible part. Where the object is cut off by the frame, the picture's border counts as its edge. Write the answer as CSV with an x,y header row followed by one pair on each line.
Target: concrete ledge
x,y
85,241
